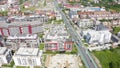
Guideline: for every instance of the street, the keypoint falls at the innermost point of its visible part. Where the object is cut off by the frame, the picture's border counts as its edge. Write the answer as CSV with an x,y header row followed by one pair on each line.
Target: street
x,y
83,52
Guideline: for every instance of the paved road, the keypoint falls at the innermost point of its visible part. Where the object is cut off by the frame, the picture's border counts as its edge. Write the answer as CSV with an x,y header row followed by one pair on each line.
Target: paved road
x,y
83,52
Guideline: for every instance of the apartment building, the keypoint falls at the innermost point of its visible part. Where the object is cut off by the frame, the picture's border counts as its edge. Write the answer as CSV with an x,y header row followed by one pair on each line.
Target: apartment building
x,y
22,25
99,15
25,40
57,39
5,55
28,57
100,35
73,14
85,23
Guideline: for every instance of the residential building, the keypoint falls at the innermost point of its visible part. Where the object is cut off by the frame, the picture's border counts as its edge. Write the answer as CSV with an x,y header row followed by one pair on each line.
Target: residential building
x,y
57,39
32,24
25,40
97,1
73,14
85,23
99,15
58,16
69,6
93,9
3,5
115,22
100,35
28,57
5,55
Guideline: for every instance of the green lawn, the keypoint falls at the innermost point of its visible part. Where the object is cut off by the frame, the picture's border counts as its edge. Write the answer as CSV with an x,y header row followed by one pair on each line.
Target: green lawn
x,y
116,29
22,67
85,43
4,13
109,58
40,35
9,65
37,67
58,21
41,47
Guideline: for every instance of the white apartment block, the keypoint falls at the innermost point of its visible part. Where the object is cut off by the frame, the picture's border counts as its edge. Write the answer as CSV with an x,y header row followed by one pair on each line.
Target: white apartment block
x,y
27,40
85,23
97,37
5,55
28,57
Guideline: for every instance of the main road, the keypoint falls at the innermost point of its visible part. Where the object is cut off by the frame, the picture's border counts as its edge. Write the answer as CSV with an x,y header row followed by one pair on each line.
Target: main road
x,y
82,51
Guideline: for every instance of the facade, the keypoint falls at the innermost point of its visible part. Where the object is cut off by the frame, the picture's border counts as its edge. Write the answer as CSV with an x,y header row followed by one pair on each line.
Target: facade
x,y
99,15
5,55
1,41
22,25
27,40
58,39
28,57
99,35
85,23
58,16
73,14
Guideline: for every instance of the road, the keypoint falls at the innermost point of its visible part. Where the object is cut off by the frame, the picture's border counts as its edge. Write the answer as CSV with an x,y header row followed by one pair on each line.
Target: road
x,y
83,52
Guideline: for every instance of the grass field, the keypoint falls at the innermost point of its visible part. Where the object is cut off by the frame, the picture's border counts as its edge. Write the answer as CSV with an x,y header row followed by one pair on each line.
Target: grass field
x,y
109,58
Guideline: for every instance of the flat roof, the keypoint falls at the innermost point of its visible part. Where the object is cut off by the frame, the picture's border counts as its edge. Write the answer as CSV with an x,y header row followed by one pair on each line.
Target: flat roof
x,y
21,21
2,50
23,36
58,31
28,51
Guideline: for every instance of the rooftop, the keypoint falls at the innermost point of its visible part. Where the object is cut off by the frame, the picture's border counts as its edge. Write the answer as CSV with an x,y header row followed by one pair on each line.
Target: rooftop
x,y
23,36
21,20
100,27
57,32
28,51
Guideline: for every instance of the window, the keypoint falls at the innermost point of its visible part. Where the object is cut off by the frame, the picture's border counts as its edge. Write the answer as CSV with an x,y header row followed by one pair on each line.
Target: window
x,y
30,61
34,61
19,61
1,60
24,61
68,46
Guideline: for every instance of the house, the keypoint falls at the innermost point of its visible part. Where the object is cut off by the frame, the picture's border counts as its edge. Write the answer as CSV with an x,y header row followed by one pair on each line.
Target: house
x,y
28,57
57,39
97,1
25,40
118,34
5,55
13,10
85,23
69,6
3,5
115,22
